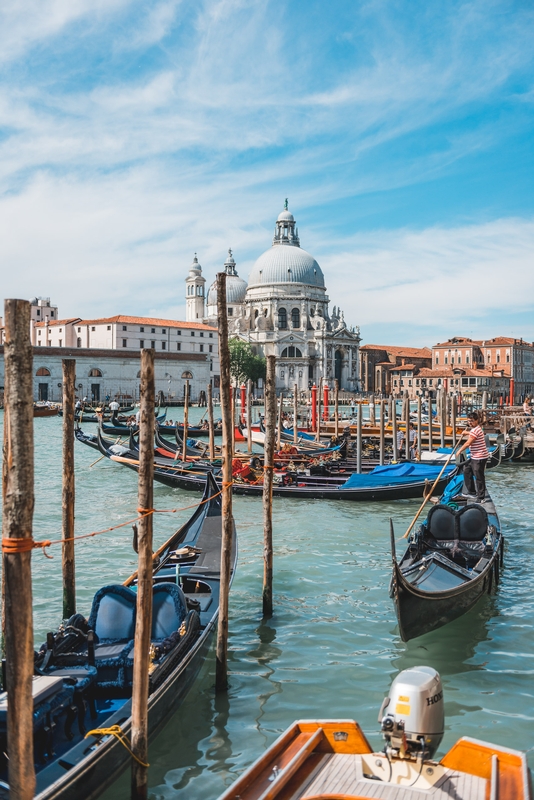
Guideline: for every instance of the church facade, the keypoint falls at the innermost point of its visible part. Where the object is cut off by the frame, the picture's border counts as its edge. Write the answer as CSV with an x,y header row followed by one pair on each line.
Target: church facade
x,y
283,310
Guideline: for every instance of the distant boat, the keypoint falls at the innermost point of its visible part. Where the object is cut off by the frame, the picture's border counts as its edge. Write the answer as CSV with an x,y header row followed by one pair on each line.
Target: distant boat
x,y
44,410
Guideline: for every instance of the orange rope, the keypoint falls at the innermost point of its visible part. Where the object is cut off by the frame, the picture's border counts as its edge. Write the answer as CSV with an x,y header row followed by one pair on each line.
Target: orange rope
x,y
12,545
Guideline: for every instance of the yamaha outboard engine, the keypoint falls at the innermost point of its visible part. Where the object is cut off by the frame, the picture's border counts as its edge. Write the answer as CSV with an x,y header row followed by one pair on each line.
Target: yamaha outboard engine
x,y
412,714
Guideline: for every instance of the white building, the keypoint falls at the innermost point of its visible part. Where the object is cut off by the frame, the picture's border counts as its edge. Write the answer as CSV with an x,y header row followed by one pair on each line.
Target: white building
x,y
108,373
284,311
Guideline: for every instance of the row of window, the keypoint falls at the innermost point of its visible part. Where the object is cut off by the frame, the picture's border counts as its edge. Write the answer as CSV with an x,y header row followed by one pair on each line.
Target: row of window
x,y
480,359
141,330
452,382
163,345
199,292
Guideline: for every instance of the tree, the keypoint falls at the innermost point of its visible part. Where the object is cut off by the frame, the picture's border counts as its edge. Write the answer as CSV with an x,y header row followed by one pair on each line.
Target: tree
x,y
244,363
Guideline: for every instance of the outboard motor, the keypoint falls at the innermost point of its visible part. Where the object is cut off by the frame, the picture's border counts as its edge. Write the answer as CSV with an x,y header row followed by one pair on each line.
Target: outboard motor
x,y
412,715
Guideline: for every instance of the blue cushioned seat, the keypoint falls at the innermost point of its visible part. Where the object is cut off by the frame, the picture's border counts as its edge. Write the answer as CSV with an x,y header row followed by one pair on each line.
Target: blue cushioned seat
x,y
112,619
441,523
168,611
472,522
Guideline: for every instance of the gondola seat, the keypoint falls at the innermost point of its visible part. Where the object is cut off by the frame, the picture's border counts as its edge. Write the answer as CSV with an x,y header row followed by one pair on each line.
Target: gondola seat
x,y
169,610
112,619
441,524
472,522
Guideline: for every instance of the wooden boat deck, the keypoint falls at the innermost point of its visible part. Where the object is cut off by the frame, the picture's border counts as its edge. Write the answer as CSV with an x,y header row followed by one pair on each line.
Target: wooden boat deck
x,y
342,774
332,760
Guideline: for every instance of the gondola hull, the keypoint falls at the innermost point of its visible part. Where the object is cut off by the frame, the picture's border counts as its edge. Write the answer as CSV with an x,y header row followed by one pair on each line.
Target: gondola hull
x,y
85,769
432,587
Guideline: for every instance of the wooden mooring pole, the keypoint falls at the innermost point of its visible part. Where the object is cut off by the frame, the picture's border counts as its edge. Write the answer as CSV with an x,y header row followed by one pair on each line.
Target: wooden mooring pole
x,y
419,427
186,420
319,397
67,501
17,521
211,425
295,413
430,445
359,439
279,428
221,668
454,413
382,433
270,432
336,408
249,417
143,622
443,418
394,431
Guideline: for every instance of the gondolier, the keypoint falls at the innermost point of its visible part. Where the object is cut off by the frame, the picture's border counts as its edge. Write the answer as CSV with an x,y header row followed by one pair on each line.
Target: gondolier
x,y
476,465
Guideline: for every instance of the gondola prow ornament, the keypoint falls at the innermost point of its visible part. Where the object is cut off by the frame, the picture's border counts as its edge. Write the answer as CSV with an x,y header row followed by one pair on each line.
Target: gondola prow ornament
x,y
412,716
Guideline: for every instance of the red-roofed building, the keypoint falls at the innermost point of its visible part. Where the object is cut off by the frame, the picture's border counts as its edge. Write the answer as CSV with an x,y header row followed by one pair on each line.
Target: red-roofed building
x,y
503,355
378,361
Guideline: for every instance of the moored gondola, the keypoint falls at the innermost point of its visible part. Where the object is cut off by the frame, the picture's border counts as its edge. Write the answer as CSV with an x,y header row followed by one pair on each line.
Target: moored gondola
x,y
84,671
452,560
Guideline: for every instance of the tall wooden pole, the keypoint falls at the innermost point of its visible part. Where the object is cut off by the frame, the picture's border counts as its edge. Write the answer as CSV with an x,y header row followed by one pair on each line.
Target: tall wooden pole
x,y
186,420
453,419
211,426
221,671
17,520
270,433
382,436
336,407
279,430
319,396
233,395
430,444
394,432
443,419
249,417
295,413
419,430
359,439
67,503
143,622
407,419
372,417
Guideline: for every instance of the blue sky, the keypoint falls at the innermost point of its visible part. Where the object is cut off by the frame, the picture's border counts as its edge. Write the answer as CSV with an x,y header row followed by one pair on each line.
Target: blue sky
x,y
134,134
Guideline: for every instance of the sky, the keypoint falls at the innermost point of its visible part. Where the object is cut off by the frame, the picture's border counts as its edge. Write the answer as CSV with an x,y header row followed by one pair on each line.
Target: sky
x,y
136,134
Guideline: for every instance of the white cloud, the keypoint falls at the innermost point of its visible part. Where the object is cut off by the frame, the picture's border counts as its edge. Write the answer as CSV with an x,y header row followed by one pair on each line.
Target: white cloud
x,y
445,279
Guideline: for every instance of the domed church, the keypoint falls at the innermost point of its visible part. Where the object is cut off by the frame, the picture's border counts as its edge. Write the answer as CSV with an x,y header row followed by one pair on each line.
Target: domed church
x,y
283,311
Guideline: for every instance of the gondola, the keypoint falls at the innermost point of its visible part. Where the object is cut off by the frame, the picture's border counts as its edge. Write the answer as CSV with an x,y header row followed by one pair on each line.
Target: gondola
x,y
452,560
84,671
392,482
121,429
192,430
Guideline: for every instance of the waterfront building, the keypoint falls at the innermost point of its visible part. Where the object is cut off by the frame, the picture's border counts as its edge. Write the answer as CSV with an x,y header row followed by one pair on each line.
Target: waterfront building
x,y
283,310
502,357
459,380
114,374
377,363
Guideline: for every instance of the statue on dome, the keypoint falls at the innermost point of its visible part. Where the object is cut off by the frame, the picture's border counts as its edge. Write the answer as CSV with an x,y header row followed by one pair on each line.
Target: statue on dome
x,y
286,204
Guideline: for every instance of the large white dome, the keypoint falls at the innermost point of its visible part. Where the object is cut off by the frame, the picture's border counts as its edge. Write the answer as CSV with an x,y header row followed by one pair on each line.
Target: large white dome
x,y
286,264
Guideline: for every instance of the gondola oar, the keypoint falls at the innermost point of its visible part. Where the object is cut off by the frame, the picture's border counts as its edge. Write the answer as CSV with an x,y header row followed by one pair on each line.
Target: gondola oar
x,y
429,495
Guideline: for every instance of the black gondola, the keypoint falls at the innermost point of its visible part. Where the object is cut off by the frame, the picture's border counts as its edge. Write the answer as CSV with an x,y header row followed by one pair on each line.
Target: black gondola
x,y
366,487
88,663
452,560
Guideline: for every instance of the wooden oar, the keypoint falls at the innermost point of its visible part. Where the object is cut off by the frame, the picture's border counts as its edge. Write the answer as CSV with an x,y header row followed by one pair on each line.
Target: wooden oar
x,y
429,495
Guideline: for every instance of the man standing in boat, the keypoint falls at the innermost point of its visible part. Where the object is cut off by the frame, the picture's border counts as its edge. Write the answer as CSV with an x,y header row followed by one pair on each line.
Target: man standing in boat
x,y
476,465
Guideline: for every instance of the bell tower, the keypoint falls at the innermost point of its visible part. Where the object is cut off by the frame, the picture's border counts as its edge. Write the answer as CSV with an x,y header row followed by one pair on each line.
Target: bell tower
x,y
194,293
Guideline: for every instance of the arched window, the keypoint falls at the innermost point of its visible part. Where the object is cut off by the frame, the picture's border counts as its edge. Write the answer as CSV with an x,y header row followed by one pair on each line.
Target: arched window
x,y
295,318
42,371
95,373
291,352
282,319
256,314
187,375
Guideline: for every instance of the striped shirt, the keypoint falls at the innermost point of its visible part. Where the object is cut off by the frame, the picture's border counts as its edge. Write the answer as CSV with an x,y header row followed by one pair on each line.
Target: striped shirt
x,y
478,445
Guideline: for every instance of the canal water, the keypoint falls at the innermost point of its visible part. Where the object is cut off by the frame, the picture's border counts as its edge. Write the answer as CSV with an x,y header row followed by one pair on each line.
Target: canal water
x,y
332,647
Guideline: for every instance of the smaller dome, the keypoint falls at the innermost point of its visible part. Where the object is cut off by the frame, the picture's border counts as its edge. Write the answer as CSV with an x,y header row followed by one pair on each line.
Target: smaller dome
x,y
285,216
236,287
195,268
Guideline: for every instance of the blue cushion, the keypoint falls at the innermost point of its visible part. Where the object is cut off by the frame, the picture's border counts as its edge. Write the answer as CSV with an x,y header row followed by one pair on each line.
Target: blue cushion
x,y
168,611
112,615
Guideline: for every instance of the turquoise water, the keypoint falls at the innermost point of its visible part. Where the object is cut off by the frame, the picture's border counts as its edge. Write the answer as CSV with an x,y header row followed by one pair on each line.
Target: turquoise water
x,y
332,647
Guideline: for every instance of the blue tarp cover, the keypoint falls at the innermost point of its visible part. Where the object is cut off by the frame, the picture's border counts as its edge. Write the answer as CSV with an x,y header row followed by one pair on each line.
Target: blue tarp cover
x,y
396,474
